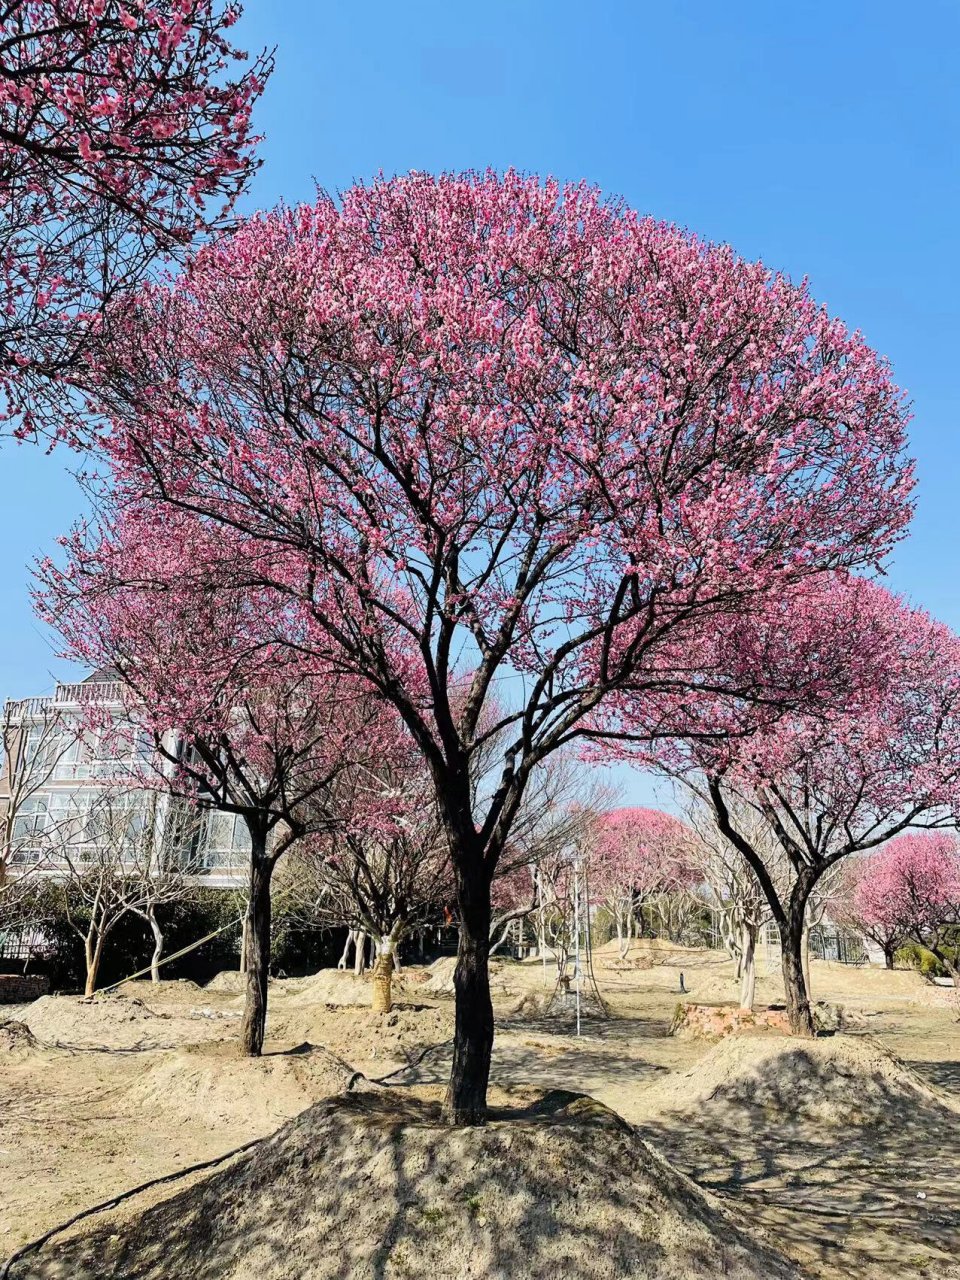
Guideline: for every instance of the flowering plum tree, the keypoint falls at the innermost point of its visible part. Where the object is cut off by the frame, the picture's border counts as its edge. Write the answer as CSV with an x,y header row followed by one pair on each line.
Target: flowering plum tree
x,y
844,774
860,905
239,725
911,889
489,429
384,871
636,855
121,134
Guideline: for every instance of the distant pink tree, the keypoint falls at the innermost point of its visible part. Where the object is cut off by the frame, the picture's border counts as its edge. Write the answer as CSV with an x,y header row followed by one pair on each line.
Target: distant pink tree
x,y
911,889
491,433
861,906
122,133
873,751
637,854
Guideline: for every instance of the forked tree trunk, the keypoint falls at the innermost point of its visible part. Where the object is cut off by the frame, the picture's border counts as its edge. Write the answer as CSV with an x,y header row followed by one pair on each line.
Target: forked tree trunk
x,y
794,982
257,929
748,958
345,956
93,954
466,1100
889,954
157,944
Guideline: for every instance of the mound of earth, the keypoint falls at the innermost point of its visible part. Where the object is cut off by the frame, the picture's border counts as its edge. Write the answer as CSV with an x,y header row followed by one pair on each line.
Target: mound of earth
x,y
372,1042
212,1084
172,989
440,978
372,1184
16,1037
331,986
835,1082
229,981
116,1022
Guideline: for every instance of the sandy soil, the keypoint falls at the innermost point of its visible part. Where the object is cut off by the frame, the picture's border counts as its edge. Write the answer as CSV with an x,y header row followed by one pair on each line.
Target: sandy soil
x,y
845,1159
528,1195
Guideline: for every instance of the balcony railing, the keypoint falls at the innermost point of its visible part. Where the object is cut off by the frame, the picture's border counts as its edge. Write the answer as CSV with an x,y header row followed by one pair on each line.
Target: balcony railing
x,y
101,693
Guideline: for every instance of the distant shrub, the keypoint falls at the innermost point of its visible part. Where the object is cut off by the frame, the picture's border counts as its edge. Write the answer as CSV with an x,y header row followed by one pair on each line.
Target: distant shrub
x,y
913,956
602,927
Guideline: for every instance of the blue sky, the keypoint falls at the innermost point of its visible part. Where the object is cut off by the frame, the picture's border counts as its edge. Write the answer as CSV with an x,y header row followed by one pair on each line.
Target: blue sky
x,y
821,137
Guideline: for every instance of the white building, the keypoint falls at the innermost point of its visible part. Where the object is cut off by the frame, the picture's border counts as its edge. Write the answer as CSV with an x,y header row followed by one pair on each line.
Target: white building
x,y
57,771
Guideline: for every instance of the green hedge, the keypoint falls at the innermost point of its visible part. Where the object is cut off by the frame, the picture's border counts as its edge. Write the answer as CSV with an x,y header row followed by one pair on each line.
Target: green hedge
x,y
913,956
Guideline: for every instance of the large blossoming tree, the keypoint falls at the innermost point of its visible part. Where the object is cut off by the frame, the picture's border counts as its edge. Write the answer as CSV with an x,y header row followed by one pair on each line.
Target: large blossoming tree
x,y
639,856
124,130
490,429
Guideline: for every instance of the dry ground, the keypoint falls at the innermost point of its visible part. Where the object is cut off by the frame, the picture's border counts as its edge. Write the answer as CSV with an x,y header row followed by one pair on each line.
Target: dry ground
x,y
849,1164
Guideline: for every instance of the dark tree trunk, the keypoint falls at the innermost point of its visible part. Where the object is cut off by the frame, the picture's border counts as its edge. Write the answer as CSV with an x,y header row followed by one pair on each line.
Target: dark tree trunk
x,y
257,947
466,1100
951,966
889,954
794,982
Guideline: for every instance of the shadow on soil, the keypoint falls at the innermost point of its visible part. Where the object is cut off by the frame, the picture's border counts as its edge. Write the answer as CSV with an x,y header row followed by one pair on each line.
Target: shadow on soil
x,y
425,1200
867,1169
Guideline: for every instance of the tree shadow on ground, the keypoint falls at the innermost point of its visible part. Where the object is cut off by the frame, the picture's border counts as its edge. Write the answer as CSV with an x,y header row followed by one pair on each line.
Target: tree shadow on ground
x,y
537,1053
862,1172
372,1185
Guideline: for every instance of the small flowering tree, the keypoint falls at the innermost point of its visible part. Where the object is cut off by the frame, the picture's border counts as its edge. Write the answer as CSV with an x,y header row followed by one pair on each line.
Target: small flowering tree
x,y
382,872
489,433
635,856
862,906
122,133
911,889
239,726
848,772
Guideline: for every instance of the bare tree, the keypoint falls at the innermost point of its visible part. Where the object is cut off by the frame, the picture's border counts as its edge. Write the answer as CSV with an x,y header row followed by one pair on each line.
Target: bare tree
x,y
36,740
743,906
165,860
738,900
115,853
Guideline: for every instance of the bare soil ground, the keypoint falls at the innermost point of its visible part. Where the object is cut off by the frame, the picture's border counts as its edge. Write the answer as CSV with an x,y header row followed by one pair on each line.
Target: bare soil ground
x,y
846,1158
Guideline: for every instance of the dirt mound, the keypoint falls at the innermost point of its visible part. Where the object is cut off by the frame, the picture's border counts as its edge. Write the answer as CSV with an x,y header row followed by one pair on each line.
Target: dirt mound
x,y
836,1081
229,981
212,1084
440,977
373,1042
331,986
532,1004
16,1037
176,990
118,1022
373,1185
